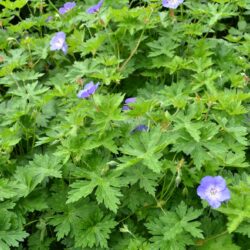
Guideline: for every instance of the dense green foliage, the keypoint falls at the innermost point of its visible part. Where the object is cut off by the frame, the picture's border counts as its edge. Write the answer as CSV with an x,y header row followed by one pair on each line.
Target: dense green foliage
x,y
73,175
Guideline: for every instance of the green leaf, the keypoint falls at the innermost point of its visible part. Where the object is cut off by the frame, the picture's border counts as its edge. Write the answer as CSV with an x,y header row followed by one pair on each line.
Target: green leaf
x,y
109,193
238,208
187,215
93,44
67,218
244,228
30,92
94,231
222,242
80,189
36,171
207,147
11,239
35,242
81,69
10,235
107,184
175,228
138,243
7,189
146,178
145,147
23,76
108,111
135,198
176,95
16,59
162,46
231,102
13,5
36,201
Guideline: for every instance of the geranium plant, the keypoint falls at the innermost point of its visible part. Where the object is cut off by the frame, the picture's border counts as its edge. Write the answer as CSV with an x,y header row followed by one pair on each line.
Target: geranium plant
x,y
124,125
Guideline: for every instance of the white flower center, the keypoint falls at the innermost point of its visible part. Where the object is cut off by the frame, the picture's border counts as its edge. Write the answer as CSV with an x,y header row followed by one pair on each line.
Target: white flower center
x,y
59,42
213,193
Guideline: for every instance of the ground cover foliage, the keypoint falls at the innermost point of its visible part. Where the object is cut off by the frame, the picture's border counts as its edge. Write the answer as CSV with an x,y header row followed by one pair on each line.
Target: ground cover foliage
x,y
77,173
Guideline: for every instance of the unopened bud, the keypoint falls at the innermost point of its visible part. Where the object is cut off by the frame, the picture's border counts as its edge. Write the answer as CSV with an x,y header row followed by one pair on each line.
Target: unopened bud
x,y
178,180
185,191
124,229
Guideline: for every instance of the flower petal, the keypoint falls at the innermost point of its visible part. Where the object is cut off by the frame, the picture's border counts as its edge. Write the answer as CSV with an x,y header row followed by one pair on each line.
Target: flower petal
x,y
219,182
201,191
140,128
66,7
130,100
225,195
207,180
95,8
83,94
214,203
89,85
125,107
65,48
172,4
88,90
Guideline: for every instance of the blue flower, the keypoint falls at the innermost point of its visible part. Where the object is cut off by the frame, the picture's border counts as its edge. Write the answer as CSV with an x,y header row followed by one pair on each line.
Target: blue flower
x,y
89,89
140,128
58,42
213,190
49,18
127,101
172,4
67,7
95,8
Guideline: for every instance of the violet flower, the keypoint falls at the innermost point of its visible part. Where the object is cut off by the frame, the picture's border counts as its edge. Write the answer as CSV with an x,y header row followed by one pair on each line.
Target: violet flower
x,y
89,89
58,42
95,8
66,7
127,101
140,128
213,190
172,4
49,18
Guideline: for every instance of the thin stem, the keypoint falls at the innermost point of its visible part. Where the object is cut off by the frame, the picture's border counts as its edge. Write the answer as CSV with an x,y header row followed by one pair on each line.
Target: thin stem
x,y
202,242
151,118
130,5
54,7
164,177
216,236
31,222
132,52
170,194
132,234
30,10
169,185
137,45
145,207
163,187
171,13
